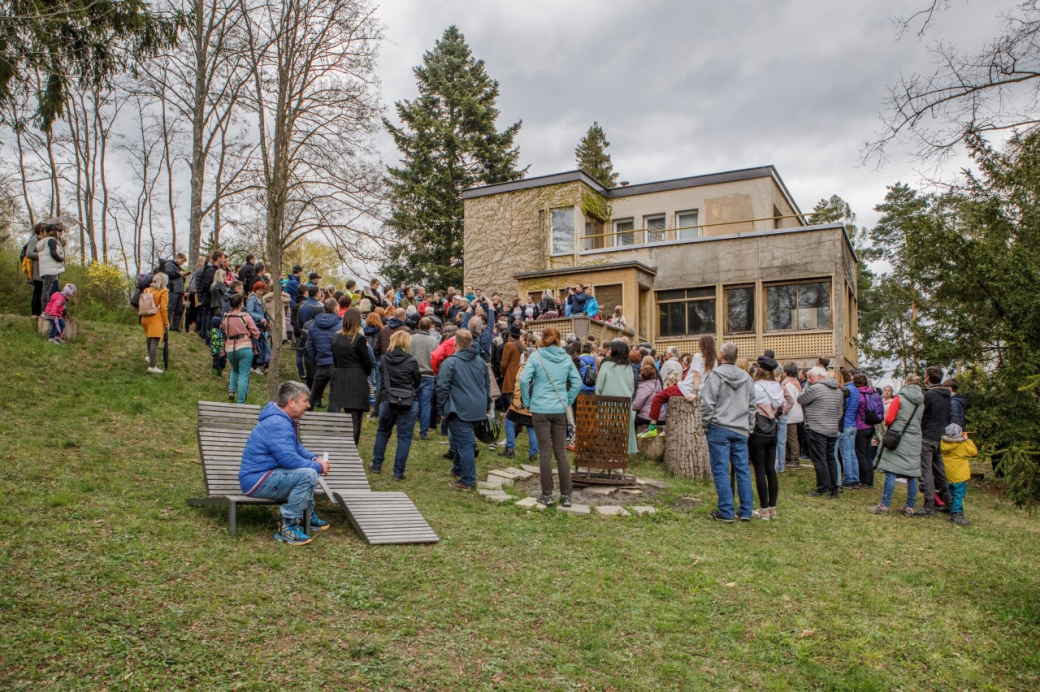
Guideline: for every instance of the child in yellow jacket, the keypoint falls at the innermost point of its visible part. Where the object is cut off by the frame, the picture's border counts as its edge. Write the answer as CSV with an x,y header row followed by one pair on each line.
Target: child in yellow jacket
x,y
957,450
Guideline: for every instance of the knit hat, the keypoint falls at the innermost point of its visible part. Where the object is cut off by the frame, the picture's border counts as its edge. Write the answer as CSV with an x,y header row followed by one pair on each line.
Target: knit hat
x,y
953,431
69,290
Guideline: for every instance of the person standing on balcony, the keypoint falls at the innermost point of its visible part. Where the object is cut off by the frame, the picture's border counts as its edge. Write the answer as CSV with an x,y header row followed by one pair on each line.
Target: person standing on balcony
x,y
618,319
592,307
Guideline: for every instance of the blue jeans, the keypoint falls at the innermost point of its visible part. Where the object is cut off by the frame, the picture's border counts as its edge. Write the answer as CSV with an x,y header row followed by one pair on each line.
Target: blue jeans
x,y
57,327
781,444
726,447
425,401
849,460
405,422
959,490
890,486
299,364
240,360
295,487
462,445
532,439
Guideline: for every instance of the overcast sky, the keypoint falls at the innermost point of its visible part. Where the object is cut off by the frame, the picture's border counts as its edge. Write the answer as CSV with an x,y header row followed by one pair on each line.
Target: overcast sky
x,y
690,87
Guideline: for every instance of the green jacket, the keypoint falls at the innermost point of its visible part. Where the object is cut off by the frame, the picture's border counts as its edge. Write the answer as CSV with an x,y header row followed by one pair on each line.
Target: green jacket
x,y
905,460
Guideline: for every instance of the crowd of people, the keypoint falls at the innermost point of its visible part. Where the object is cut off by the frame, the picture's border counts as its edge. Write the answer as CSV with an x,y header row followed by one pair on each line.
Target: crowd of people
x,y
455,361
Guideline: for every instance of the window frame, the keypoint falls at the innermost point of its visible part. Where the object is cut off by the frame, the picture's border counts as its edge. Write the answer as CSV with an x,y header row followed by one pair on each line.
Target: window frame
x,y
686,300
754,321
796,319
618,237
552,233
663,231
605,310
680,228
596,241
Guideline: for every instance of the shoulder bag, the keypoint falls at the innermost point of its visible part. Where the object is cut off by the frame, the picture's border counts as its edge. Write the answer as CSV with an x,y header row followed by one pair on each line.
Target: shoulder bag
x,y
563,401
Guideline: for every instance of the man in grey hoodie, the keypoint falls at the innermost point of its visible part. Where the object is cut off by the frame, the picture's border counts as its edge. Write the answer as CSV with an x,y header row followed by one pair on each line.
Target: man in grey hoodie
x,y
824,407
728,417
422,347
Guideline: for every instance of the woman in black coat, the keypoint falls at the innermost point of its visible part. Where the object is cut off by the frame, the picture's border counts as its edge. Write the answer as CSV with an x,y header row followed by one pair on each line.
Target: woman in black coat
x,y
398,403
353,362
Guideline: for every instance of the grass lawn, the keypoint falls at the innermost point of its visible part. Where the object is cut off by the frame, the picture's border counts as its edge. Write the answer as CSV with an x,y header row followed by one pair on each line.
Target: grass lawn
x,y
111,581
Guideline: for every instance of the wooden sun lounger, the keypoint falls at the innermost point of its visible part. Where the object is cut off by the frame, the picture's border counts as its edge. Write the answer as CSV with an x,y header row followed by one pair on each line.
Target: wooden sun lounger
x,y
377,517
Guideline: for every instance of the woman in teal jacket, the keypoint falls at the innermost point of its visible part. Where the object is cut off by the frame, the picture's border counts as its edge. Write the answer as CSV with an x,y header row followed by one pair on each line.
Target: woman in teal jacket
x,y
548,385
615,379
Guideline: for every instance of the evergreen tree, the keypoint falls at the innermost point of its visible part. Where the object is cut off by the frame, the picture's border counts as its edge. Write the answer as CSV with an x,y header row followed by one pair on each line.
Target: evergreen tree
x,y
593,158
449,142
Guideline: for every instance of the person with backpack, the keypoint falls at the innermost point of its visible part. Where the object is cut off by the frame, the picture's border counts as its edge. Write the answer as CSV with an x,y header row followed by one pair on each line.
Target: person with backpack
x,y
901,449
769,409
398,403
153,307
589,369
239,333
870,413
847,438
30,260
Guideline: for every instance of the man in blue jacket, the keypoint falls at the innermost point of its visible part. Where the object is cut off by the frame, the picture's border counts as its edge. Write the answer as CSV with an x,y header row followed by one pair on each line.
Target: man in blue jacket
x,y
319,347
292,284
464,398
276,466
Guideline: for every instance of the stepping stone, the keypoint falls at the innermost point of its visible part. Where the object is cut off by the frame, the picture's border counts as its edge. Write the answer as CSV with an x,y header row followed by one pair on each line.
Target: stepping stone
x,y
534,470
650,482
612,510
527,503
497,497
601,491
643,509
493,482
518,474
574,509
506,473
631,491
492,492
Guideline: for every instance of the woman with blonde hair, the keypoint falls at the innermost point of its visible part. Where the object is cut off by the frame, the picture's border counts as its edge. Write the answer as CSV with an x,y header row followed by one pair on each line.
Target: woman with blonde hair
x,y
155,323
398,403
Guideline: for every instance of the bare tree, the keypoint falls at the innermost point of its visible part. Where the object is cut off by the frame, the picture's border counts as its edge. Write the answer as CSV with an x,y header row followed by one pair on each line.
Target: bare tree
x,y
143,154
968,94
202,82
315,96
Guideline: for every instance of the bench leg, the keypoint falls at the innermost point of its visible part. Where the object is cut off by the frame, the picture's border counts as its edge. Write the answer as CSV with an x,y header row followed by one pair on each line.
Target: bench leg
x,y
231,517
307,520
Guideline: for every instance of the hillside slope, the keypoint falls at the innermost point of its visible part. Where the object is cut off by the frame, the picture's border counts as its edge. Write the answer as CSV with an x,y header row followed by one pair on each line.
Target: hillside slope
x,y
110,580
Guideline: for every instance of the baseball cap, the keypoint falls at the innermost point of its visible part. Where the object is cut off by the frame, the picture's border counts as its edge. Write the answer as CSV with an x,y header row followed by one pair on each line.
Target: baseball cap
x,y
313,275
297,269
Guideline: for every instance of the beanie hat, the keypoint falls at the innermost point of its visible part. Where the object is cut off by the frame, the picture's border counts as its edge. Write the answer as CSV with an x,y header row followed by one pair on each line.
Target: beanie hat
x,y
767,363
69,290
953,431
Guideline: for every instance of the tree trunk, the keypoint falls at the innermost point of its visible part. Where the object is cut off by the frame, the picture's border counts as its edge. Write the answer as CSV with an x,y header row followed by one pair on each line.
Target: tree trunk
x,y
686,447
198,151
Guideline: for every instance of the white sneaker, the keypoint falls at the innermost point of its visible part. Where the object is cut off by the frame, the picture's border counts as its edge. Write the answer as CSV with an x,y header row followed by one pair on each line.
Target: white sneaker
x,y
147,359
155,371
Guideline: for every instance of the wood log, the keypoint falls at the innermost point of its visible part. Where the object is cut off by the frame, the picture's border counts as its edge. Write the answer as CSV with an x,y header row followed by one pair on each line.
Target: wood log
x,y
686,447
43,325
652,447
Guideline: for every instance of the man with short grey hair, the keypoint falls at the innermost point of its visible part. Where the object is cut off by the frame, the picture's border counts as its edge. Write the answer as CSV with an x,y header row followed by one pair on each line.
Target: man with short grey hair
x,y
276,466
728,416
670,364
823,406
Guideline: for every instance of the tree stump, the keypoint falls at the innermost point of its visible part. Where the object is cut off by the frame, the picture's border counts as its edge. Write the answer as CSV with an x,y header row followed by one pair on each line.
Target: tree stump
x,y
43,325
652,447
686,447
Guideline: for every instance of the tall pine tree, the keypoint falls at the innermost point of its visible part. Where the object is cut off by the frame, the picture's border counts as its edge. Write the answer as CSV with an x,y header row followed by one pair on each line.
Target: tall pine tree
x,y
449,142
593,158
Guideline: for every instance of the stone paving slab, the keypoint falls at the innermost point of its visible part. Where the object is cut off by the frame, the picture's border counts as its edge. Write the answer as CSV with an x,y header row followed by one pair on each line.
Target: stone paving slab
x,y
575,509
505,473
612,510
631,491
643,509
536,470
518,474
650,482
494,482
601,490
527,503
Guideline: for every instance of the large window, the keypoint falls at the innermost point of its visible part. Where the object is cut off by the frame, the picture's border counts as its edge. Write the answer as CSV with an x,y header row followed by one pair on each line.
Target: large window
x,y
654,226
686,312
687,224
608,297
798,306
625,230
740,309
563,231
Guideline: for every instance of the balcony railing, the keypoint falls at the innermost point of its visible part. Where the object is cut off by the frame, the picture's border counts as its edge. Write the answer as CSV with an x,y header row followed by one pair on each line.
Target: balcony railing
x,y
582,327
649,236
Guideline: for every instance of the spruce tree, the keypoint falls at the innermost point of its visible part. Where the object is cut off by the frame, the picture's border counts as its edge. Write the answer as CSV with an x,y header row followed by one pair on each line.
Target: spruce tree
x,y
593,158
449,142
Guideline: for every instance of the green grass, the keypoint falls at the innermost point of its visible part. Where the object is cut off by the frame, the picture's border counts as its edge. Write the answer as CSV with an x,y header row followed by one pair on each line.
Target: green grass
x,y
110,580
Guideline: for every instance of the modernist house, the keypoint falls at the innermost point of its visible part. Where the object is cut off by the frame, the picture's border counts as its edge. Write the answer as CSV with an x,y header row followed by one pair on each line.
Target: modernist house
x,y
728,254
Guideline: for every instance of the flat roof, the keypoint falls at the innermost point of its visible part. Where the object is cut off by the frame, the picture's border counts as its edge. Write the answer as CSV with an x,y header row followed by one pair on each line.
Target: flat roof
x,y
587,269
638,189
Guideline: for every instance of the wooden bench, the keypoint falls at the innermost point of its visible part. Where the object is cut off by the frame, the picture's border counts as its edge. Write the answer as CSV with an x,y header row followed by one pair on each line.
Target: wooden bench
x,y
377,517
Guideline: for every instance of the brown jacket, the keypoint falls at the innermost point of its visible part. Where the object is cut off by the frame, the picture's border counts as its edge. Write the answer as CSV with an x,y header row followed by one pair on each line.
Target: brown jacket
x,y
517,402
510,365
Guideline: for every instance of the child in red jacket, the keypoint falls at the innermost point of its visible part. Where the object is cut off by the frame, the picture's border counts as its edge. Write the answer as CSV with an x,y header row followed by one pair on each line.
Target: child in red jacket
x,y
55,312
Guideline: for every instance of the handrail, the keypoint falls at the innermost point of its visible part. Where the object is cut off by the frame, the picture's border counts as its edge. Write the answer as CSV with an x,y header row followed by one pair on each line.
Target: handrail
x,y
687,228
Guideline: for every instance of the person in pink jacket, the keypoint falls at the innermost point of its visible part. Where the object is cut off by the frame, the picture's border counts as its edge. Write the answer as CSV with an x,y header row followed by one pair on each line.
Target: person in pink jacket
x,y
55,312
